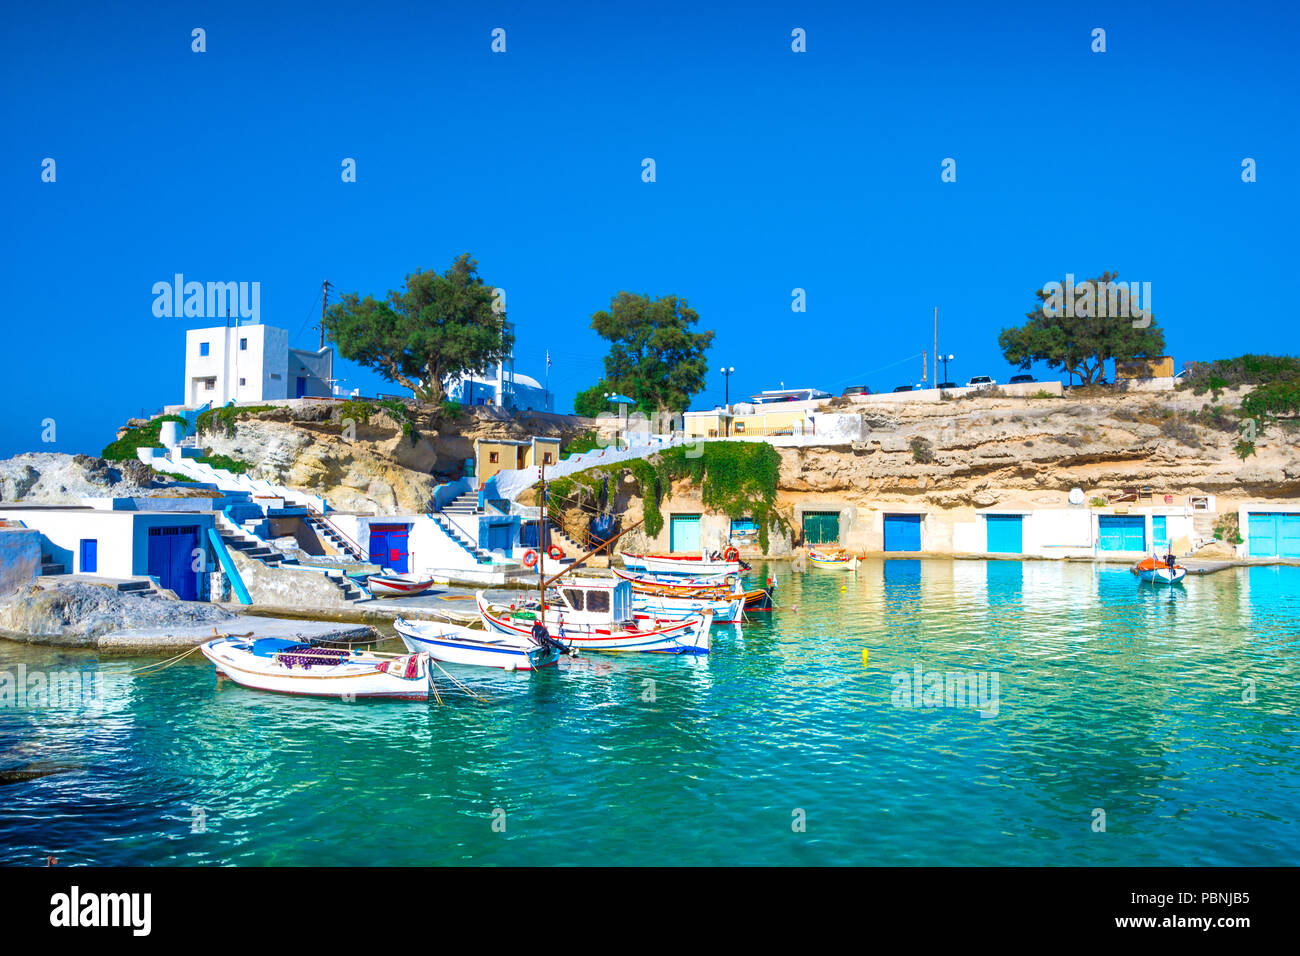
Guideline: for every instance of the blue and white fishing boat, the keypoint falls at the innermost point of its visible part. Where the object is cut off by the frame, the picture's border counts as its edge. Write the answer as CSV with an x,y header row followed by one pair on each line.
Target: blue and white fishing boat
x,y
298,667
457,644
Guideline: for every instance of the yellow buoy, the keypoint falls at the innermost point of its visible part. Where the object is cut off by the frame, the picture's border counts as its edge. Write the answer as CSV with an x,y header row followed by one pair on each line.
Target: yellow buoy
x,y
865,652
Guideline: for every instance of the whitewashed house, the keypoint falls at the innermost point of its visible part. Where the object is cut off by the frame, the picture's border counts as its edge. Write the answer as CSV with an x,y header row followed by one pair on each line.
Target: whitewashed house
x,y
252,363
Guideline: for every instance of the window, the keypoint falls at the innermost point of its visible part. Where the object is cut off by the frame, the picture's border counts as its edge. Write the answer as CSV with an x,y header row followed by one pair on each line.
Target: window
x,y
598,601
243,345
209,384
203,348
574,597
493,457
241,381
547,459
275,375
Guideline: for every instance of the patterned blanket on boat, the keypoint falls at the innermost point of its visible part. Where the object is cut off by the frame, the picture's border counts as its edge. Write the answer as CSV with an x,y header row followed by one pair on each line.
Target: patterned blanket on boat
x,y
407,667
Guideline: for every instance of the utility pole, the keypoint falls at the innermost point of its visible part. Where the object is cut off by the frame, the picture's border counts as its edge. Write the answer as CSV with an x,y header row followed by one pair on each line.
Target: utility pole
x,y
936,345
324,296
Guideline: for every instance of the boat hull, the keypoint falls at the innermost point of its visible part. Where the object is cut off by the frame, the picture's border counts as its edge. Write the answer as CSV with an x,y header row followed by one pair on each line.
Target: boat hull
x,y
1162,575
678,637
358,675
454,644
390,586
692,565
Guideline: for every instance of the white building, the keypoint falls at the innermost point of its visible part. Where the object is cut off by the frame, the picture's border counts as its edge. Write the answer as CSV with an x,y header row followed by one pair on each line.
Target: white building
x,y
252,363
504,387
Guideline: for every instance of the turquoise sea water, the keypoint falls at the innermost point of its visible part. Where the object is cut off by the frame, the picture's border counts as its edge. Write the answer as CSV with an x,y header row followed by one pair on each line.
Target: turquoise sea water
x,y
1111,695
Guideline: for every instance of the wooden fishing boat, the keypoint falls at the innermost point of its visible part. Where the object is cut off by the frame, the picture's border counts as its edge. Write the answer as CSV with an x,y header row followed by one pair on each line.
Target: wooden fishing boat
x,y
1156,571
457,644
727,609
690,565
394,585
721,588
833,559
296,667
597,615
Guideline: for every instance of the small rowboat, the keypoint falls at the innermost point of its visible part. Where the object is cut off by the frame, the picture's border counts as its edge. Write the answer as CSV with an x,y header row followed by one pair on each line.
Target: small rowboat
x,y
296,667
457,644
833,560
1159,572
586,631
394,585
693,565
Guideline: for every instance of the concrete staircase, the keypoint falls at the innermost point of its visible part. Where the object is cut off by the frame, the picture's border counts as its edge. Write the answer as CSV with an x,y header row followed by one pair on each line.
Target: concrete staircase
x,y
466,504
50,566
237,539
326,531
449,525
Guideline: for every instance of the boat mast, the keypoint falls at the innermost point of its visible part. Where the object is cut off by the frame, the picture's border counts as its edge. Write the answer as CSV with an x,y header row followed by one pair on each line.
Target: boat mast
x,y
541,544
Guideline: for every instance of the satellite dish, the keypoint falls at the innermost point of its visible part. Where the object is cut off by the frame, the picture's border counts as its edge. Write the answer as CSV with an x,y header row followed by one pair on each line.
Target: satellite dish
x,y
1076,496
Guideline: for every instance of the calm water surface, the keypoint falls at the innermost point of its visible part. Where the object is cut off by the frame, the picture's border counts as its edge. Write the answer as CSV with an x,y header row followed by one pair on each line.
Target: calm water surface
x,y
1111,695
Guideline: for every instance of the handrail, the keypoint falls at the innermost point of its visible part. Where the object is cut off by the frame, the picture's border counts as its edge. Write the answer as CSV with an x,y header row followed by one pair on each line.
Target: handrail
x,y
454,524
362,553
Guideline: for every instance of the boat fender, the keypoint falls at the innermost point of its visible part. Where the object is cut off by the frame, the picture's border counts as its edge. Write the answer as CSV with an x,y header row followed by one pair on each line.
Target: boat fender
x,y
530,558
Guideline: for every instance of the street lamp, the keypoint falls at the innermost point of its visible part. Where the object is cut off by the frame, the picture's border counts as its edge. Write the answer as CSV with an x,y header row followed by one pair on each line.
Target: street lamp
x,y
945,359
726,388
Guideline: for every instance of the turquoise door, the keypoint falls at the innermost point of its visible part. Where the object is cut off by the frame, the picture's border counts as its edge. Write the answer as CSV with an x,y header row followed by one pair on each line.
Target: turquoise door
x,y
1122,533
1004,534
902,532
1159,534
1273,535
684,533
821,527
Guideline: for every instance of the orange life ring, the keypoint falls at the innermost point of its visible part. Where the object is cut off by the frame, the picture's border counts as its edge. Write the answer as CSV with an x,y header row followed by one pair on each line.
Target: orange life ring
x,y
555,551
530,558
731,554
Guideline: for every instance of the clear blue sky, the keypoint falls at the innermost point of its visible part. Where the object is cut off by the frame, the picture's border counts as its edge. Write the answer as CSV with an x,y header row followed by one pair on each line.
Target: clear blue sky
x,y
776,170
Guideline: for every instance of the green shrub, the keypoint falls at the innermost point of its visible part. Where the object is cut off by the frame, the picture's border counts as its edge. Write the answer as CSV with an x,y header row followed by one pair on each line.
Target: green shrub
x,y
1202,377
587,441
222,420
226,462
922,450
143,436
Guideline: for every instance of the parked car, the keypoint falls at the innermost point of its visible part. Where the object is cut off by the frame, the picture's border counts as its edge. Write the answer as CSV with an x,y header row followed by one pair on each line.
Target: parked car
x,y
856,390
1021,380
981,381
948,385
904,388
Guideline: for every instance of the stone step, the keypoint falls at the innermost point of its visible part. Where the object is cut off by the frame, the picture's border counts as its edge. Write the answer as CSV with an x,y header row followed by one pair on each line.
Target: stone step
x,y
50,567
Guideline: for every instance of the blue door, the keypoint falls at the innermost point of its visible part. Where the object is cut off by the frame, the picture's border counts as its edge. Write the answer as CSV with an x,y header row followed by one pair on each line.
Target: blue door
x,y
1159,534
684,534
171,560
89,555
389,546
1122,532
1004,534
302,387
498,537
1273,534
902,532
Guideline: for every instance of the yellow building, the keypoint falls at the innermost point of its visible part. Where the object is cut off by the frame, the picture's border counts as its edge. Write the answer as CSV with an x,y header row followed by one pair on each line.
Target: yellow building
x,y
776,421
492,455
1161,366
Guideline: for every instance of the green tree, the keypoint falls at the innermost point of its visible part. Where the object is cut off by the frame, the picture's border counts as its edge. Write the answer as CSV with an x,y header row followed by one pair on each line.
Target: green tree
x,y
1082,338
436,327
592,401
654,356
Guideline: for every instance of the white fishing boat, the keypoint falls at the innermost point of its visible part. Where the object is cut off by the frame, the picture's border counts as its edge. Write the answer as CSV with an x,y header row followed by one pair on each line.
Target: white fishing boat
x,y
296,667
394,585
674,582
1156,571
457,644
667,607
596,614
690,565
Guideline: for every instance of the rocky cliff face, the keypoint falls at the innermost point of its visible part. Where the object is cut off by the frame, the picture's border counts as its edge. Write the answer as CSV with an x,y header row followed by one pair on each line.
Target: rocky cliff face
x,y
56,479
984,451
372,466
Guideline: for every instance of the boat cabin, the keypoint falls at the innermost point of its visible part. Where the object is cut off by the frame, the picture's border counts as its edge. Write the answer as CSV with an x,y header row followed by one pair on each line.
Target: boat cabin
x,y
595,600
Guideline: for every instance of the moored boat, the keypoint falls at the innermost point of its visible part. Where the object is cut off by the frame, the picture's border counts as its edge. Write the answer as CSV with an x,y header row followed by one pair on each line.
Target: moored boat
x,y
395,585
297,667
833,560
691,565
457,644
597,615
1155,571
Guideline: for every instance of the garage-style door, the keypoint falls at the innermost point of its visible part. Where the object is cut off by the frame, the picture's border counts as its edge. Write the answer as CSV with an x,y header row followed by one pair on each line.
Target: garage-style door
x,y
390,546
684,534
1273,535
1004,534
171,560
1122,532
821,527
902,532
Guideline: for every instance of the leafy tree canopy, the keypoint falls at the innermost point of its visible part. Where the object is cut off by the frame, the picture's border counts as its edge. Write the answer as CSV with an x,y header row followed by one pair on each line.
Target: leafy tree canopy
x,y
654,357
436,327
1079,333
